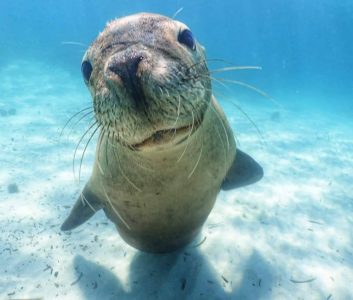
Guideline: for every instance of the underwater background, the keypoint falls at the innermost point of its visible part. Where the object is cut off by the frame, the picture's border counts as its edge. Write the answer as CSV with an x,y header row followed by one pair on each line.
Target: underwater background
x,y
290,236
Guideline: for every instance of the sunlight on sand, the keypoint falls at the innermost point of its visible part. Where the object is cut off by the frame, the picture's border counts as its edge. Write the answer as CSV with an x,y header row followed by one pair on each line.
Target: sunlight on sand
x,y
287,237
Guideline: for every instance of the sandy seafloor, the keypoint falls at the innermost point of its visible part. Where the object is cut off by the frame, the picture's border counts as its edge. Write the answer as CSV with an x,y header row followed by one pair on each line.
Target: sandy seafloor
x,y
288,237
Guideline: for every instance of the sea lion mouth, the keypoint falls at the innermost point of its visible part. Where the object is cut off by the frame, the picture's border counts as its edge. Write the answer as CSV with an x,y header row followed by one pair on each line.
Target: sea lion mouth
x,y
170,136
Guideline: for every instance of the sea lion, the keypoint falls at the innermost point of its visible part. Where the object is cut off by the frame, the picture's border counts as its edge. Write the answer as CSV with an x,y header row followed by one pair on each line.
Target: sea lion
x,y
165,147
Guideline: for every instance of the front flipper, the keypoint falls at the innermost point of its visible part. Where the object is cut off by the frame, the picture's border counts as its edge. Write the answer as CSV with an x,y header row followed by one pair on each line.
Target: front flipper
x,y
85,207
244,171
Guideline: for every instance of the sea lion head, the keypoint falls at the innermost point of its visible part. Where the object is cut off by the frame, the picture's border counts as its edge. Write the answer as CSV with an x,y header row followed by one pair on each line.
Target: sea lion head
x,y
149,81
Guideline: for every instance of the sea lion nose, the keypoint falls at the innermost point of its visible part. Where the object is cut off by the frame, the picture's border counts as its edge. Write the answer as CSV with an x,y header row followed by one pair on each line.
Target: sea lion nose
x,y
126,68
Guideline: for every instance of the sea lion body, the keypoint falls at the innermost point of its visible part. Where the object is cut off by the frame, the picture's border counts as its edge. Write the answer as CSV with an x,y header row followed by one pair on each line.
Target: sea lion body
x,y
167,201
165,147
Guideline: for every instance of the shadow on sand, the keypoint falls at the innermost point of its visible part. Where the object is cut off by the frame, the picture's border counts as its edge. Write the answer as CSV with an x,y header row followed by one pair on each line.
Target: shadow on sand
x,y
180,275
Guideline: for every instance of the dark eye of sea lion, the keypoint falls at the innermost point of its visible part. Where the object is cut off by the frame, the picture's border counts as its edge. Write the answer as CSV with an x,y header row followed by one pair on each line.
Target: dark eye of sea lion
x,y
86,69
187,38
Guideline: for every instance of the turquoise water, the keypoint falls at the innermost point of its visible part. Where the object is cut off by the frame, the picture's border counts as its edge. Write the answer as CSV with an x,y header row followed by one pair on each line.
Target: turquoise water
x,y
302,46
287,237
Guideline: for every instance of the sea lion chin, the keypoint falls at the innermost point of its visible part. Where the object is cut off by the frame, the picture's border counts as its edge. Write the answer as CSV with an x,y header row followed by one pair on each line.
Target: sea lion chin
x,y
165,148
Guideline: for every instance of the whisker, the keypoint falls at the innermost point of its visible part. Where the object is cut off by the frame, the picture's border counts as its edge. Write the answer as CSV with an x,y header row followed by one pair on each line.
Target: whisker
x,y
251,87
78,144
177,12
115,211
122,171
235,137
72,117
224,151
177,118
101,135
220,82
235,68
106,144
124,143
209,60
85,200
188,138
199,157
84,151
209,90
196,64
250,120
119,139
224,129
238,82
161,91
198,116
74,43
79,120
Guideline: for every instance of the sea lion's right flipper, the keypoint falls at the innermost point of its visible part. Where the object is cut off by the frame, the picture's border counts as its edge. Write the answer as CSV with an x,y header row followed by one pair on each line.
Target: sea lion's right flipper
x,y
244,171
85,207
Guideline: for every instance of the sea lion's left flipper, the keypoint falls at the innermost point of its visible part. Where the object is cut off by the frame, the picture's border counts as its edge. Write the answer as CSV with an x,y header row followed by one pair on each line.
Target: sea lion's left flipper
x,y
85,207
244,171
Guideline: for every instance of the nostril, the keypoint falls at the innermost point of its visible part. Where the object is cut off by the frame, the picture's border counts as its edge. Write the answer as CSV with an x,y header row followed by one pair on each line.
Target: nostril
x,y
133,64
117,68
126,67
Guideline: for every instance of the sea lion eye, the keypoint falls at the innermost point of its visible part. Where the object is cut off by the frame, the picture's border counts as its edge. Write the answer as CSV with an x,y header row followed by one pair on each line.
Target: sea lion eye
x,y
86,69
187,38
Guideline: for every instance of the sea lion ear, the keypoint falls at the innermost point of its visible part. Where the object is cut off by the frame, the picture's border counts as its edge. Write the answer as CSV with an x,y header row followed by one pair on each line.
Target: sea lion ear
x,y
244,171
85,207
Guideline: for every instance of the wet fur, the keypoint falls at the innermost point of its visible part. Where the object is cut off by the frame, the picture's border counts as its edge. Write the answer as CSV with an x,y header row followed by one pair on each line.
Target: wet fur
x,y
169,76
157,184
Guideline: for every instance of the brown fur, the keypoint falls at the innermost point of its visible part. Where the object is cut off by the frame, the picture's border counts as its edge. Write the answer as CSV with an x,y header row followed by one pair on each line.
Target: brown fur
x,y
158,188
169,71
